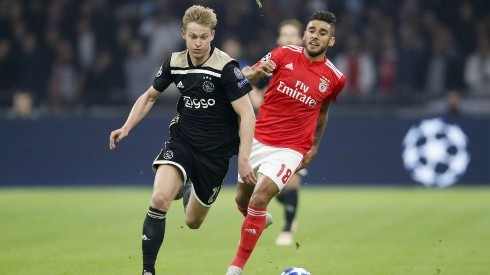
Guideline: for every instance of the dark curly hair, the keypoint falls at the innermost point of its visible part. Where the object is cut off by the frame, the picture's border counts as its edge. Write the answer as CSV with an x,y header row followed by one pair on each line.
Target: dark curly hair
x,y
325,16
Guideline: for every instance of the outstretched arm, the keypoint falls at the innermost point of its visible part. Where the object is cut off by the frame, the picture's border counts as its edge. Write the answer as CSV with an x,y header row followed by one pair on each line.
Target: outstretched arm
x,y
317,136
243,107
140,108
259,71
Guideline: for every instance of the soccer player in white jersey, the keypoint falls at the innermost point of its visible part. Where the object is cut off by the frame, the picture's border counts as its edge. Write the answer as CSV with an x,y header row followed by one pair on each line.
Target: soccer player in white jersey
x,y
289,33
216,121
290,123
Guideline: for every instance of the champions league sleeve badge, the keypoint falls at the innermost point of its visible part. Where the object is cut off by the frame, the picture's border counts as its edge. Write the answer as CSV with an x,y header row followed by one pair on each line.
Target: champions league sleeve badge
x,y
266,57
238,73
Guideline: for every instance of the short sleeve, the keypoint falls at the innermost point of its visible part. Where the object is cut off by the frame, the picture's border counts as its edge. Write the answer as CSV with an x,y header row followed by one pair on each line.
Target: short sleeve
x,y
338,88
234,82
164,77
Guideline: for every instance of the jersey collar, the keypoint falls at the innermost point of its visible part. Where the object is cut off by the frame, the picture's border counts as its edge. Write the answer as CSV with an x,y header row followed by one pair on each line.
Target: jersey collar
x,y
189,60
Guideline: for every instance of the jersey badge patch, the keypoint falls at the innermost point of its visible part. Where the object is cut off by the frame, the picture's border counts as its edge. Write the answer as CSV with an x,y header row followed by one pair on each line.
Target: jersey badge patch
x,y
265,58
208,86
242,83
180,85
168,154
238,73
324,83
289,66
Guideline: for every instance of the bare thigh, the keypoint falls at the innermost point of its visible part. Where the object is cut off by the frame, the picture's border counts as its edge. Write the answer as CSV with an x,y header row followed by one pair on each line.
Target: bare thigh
x,y
168,181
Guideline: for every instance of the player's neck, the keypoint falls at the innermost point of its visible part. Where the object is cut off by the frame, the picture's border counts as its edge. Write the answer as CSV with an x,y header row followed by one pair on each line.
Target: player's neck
x,y
199,61
310,58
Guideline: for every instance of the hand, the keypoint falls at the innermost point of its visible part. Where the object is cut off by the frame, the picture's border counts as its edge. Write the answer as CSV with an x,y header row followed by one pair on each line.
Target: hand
x,y
116,136
246,172
307,158
265,68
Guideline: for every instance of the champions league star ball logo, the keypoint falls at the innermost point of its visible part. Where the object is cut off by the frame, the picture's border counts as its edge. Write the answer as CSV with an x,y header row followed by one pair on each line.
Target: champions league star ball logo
x,y
435,154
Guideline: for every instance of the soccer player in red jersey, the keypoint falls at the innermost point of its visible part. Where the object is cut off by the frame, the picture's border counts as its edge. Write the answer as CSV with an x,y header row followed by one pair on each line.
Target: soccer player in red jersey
x,y
290,123
290,32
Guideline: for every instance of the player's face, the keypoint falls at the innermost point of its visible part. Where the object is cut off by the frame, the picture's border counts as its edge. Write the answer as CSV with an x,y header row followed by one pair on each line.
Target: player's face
x,y
198,41
317,38
289,35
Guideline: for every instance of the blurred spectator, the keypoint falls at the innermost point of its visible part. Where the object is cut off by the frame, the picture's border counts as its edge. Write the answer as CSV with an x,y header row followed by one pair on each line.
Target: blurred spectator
x,y
7,74
32,69
410,66
464,27
65,81
104,83
137,71
105,24
233,47
86,44
157,29
387,64
405,51
359,70
22,106
439,63
477,69
453,105
313,5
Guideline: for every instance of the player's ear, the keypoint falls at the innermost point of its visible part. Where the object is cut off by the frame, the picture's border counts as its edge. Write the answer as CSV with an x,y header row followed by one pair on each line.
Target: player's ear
x,y
183,33
212,35
331,42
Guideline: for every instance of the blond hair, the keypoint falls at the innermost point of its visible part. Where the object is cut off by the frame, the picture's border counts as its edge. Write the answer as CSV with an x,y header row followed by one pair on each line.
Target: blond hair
x,y
293,22
200,15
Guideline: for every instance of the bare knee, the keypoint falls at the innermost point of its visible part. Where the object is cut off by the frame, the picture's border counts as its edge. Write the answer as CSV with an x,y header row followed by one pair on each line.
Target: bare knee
x,y
264,194
193,223
159,200
260,199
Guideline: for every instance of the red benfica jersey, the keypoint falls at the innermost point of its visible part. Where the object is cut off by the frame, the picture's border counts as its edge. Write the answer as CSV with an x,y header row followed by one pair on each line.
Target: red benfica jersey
x,y
298,87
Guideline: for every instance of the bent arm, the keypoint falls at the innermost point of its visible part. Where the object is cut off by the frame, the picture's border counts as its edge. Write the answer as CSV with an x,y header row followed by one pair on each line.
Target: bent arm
x,y
243,107
321,124
256,72
140,108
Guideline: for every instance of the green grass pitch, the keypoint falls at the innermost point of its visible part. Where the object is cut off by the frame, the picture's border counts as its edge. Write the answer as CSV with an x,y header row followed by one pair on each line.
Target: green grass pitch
x,y
341,231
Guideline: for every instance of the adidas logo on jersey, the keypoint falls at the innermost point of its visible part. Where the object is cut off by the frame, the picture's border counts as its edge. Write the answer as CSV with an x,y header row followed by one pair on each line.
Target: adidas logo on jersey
x,y
289,66
180,85
251,231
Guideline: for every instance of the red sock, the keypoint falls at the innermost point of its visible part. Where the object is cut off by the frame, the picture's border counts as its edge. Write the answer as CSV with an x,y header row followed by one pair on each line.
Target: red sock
x,y
242,210
252,228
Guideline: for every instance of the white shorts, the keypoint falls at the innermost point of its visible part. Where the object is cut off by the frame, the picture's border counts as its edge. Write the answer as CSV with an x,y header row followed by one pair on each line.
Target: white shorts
x,y
276,163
